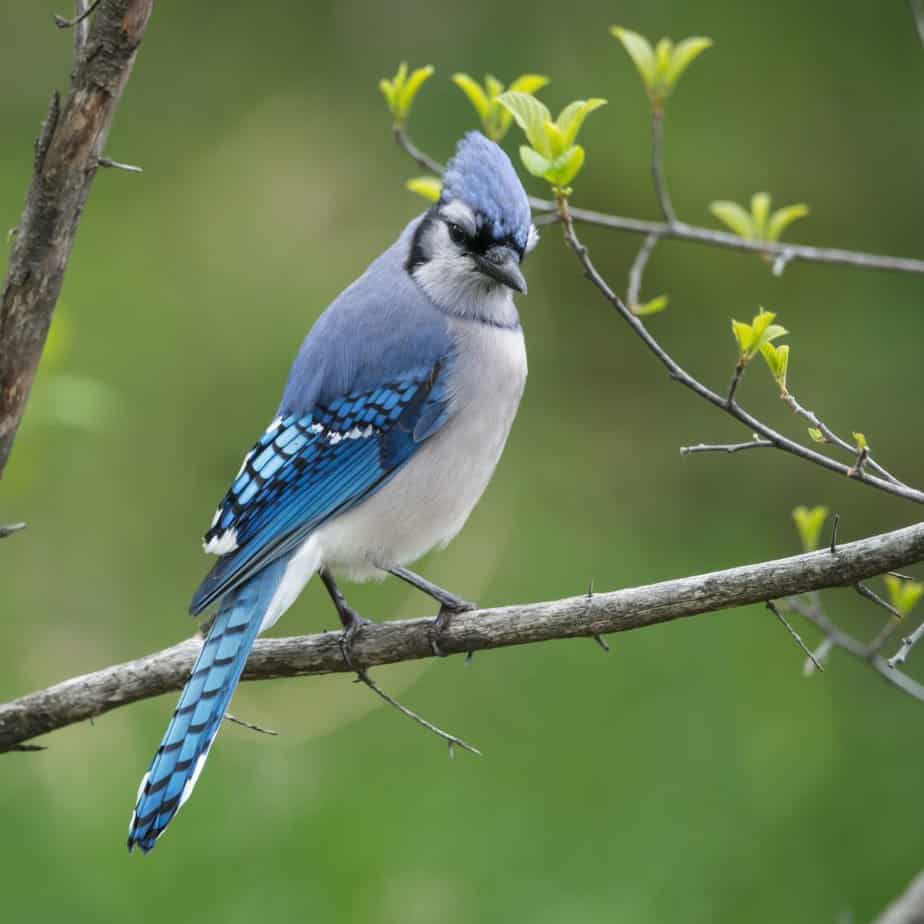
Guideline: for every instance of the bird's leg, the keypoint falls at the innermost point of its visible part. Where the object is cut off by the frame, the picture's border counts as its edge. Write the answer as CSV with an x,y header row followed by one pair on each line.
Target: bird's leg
x,y
449,603
351,621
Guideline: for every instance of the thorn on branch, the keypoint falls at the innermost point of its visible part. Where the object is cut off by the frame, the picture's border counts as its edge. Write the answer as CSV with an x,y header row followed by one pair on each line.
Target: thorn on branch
x,y
10,529
28,748
798,639
900,576
63,23
864,591
362,676
834,526
250,725
109,162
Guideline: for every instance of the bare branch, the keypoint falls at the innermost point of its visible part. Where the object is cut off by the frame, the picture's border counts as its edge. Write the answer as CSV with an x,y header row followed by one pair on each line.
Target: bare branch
x,y
908,908
82,698
69,149
755,443
727,404
250,725
682,231
10,529
907,644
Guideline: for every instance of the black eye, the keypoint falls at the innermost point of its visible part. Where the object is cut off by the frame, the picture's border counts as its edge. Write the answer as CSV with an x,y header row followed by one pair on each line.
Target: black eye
x,y
456,234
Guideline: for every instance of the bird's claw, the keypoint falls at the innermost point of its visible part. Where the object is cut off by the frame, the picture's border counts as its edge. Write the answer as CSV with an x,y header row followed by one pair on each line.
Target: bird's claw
x,y
442,621
353,625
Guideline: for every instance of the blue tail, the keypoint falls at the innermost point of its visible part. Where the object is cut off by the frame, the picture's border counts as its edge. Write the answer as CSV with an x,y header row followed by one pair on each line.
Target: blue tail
x,y
203,702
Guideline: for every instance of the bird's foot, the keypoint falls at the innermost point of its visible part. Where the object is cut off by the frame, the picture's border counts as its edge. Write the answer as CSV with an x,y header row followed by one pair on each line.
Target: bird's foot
x,y
352,625
448,608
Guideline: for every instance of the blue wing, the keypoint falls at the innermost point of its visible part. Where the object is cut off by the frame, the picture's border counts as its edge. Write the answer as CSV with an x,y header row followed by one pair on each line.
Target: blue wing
x,y
307,468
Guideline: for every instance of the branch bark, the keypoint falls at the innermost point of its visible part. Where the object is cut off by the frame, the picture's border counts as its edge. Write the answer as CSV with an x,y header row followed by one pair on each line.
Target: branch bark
x,y
67,154
91,695
908,908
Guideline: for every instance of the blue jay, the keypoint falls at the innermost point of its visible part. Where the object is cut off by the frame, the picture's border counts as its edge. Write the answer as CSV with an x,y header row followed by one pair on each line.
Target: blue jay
x,y
394,416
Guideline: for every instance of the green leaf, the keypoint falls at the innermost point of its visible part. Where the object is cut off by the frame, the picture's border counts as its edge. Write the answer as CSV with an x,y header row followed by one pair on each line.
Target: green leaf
x,y
663,51
816,435
427,186
744,336
809,523
566,167
651,307
476,96
760,209
777,361
685,53
531,116
405,95
528,83
860,440
554,139
782,218
903,595
735,217
492,86
640,51
572,118
534,162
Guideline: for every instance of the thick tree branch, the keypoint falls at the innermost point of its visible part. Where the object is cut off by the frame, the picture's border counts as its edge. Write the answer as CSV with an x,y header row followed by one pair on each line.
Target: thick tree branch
x,y
66,158
586,615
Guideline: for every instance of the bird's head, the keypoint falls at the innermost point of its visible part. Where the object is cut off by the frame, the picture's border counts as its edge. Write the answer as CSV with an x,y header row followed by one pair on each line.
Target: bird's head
x,y
467,250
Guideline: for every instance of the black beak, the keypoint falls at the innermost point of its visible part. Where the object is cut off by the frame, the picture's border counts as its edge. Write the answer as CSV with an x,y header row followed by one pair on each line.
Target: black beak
x,y
503,264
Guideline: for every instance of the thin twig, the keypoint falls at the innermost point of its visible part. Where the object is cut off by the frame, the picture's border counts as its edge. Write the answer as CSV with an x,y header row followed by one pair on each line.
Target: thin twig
x,y
834,525
735,382
109,162
362,676
871,595
10,529
818,656
756,443
727,404
907,644
83,12
798,638
657,166
250,725
831,437
638,268
681,231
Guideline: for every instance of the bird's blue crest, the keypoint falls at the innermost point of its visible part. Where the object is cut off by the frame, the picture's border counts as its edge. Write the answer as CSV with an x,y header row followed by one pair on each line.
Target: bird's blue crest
x,y
481,175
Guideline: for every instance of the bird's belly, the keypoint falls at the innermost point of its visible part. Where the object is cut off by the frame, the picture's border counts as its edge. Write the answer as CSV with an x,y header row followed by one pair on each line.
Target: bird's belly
x,y
429,499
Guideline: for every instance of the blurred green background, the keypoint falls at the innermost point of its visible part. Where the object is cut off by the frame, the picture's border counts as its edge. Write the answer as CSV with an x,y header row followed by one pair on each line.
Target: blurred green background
x,y
692,775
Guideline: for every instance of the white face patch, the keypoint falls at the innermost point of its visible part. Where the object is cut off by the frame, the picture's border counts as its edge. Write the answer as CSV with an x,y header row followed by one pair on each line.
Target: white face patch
x,y
532,240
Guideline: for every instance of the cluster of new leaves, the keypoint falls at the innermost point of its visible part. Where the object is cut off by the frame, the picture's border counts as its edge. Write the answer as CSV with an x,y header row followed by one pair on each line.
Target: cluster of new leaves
x,y
552,153
758,224
660,66
757,337
495,118
399,92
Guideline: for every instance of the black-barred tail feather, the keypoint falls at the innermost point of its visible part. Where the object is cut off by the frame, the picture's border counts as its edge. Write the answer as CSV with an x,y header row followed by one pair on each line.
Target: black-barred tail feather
x,y
179,759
